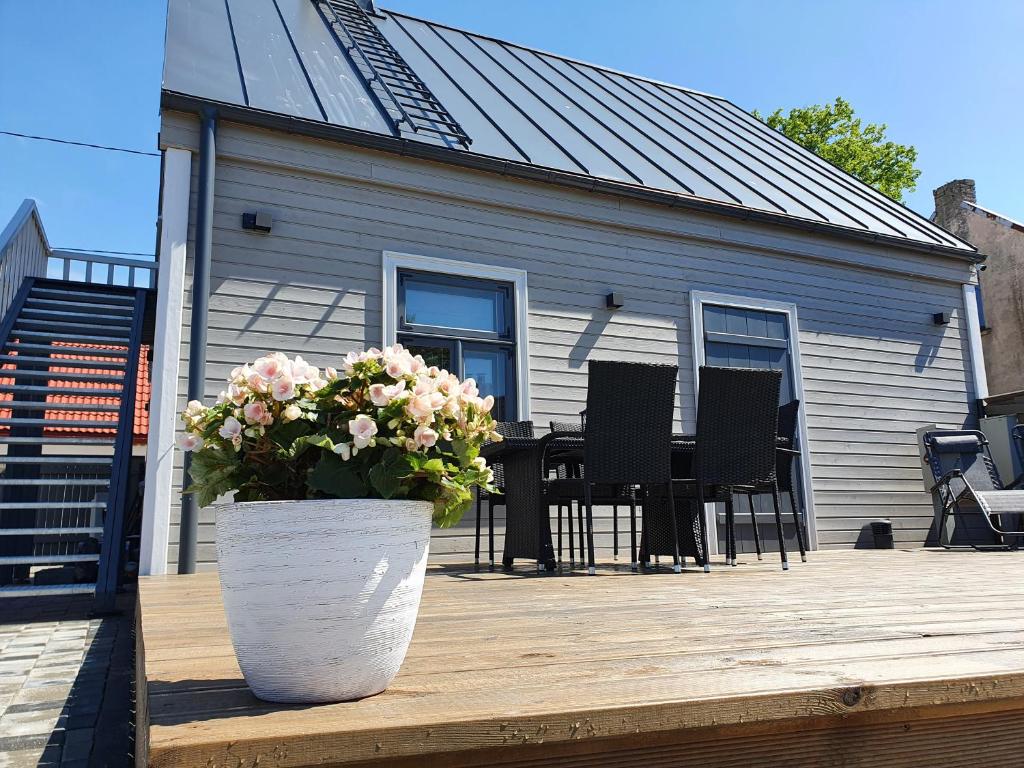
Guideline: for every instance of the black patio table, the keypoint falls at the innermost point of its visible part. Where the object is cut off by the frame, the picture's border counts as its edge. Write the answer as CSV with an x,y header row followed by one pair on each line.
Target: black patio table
x,y
527,522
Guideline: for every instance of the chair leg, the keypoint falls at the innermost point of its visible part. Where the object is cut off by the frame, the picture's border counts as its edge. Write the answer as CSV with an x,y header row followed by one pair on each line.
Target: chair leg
x,y
579,520
676,565
632,535
490,532
591,563
615,532
479,513
559,534
799,526
703,523
778,526
753,523
572,542
730,524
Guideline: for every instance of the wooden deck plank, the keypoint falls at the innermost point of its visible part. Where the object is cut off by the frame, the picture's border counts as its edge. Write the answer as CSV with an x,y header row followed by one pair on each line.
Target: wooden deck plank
x,y
501,661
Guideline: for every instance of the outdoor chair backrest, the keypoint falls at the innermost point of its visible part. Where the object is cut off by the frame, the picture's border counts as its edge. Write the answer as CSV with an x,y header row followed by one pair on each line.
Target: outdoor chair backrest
x,y
737,425
788,415
628,433
561,468
509,429
964,450
1018,442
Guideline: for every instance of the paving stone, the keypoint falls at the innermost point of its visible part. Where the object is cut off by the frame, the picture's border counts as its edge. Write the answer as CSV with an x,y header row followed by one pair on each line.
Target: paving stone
x,y
28,723
77,744
17,743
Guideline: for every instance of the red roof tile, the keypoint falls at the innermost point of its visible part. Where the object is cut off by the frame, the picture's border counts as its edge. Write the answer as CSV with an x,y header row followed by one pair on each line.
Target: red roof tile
x,y
78,363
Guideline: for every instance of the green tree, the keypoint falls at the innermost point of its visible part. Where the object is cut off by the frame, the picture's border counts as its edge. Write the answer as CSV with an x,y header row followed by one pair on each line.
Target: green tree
x,y
833,132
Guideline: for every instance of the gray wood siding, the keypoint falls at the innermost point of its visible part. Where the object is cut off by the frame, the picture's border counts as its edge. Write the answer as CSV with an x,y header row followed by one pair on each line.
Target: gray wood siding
x,y
874,365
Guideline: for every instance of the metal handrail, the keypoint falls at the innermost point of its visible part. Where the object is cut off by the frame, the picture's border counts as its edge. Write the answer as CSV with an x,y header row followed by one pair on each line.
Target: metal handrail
x,y
64,262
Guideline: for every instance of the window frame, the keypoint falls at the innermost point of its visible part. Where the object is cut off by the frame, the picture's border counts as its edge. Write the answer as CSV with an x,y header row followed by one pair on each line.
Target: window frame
x,y
507,336
698,300
394,262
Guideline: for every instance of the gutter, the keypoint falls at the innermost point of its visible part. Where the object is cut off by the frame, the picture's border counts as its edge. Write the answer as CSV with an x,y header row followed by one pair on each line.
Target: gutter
x,y
520,170
189,527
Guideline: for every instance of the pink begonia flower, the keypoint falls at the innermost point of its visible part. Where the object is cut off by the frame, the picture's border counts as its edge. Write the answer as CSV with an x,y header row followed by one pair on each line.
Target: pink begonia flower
x,y
469,388
271,367
420,409
331,373
416,364
231,428
487,403
283,388
381,395
236,394
255,412
344,450
194,409
425,436
303,372
397,367
189,442
362,428
291,413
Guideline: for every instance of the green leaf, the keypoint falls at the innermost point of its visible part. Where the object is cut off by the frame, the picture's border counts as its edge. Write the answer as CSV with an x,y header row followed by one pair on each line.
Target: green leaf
x,y
336,479
285,435
387,475
213,472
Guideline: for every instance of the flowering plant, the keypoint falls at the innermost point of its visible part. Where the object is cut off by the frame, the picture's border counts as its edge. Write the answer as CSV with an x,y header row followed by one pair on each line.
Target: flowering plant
x,y
386,426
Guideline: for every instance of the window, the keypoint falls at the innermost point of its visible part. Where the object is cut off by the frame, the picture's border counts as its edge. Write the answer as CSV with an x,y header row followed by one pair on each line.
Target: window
x,y
738,337
466,325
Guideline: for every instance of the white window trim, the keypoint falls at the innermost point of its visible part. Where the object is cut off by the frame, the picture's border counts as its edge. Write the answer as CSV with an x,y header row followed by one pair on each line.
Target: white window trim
x,y
697,301
163,407
394,261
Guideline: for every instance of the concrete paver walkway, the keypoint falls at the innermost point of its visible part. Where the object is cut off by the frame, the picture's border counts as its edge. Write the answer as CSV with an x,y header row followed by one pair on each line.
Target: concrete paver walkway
x,y
65,681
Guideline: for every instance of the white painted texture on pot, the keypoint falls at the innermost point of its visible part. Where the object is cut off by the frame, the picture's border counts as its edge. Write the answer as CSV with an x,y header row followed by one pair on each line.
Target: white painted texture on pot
x,y
321,596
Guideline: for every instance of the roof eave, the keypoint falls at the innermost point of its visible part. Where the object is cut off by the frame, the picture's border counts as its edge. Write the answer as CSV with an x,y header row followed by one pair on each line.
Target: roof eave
x,y
402,146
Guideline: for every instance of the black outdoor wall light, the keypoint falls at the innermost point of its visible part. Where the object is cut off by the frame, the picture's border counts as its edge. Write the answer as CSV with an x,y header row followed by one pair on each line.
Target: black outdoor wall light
x,y
613,301
941,318
258,221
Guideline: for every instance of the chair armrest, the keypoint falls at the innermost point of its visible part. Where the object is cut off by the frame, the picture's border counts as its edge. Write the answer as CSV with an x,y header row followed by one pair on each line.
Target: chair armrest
x,y
545,444
950,475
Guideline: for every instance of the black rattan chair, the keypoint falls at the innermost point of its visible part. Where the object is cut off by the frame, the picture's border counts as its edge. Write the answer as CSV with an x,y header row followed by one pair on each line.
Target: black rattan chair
x,y
966,481
785,459
737,423
506,429
627,443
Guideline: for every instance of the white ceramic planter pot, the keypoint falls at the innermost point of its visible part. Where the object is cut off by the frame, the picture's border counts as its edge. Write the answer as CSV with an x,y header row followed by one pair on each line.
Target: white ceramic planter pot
x,y
321,596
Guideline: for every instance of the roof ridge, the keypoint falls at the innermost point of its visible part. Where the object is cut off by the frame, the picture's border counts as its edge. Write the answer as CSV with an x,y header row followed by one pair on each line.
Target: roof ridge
x,y
562,57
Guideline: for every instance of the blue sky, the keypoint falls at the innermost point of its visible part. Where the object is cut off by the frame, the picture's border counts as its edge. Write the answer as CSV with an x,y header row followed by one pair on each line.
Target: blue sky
x,y
944,75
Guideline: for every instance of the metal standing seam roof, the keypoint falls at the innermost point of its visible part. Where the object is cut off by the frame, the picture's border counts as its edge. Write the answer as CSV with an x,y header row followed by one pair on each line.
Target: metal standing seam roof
x,y
528,108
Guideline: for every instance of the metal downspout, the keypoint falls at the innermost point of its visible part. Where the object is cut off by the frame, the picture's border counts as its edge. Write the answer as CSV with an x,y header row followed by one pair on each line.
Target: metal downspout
x,y
189,527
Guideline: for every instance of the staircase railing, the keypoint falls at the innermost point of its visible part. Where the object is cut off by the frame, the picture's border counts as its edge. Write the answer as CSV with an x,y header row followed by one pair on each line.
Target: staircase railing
x,y
117,497
101,269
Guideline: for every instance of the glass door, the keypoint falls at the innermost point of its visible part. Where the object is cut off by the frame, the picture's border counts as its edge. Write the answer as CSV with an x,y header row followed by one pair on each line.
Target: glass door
x,y
738,337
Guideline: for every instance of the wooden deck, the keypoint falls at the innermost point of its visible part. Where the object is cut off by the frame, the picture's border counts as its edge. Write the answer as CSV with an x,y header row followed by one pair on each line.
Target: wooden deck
x,y
858,658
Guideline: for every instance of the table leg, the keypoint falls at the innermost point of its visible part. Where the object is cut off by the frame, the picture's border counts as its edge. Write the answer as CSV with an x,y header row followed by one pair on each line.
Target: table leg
x,y
527,527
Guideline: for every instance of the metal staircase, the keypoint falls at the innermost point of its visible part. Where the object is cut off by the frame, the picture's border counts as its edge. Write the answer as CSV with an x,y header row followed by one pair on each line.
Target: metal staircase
x,y
68,371
395,86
